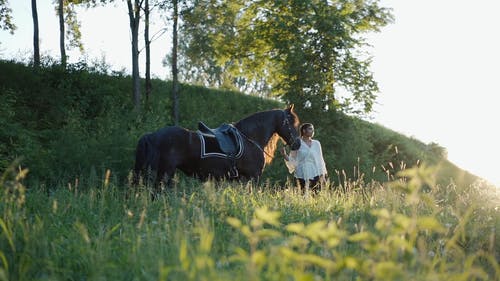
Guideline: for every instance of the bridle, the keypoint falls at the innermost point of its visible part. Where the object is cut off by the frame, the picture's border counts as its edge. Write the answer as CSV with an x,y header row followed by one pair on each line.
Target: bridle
x,y
290,128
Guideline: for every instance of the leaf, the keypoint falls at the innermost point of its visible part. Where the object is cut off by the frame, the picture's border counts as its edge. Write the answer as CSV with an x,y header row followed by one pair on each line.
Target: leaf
x,y
388,271
5,262
381,213
239,256
267,216
351,263
430,223
288,253
8,235
361,236
314,230
83,231
398,241
246,231
301,276
112,230
183,255
295,227
234,222
317,260
206,241
267,233
402,221
297,241
259,258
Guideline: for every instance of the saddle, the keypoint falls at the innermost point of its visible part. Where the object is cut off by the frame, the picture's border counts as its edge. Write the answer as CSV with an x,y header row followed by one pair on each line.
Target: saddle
x,y
226,135
229,140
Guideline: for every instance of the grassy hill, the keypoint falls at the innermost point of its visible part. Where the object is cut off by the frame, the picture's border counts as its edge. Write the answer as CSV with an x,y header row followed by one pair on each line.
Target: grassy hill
x,y
67,219
80,122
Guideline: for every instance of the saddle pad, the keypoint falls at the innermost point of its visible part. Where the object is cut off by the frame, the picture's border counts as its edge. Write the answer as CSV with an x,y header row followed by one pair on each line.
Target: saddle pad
x,y
207,151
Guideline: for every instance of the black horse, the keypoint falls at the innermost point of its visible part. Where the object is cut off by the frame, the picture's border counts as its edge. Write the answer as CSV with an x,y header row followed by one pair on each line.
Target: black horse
x,y
202,156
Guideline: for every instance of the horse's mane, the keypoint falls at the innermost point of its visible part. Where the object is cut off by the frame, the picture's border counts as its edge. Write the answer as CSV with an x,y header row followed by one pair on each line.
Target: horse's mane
x,y
270,149
271,146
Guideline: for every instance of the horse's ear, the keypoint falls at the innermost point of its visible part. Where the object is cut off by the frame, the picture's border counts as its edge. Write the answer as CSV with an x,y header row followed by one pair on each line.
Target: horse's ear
x,y
290,107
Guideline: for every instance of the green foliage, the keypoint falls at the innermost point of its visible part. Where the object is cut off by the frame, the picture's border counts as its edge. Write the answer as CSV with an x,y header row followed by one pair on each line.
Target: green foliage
x,y
6,22
62,122
301,50
410,229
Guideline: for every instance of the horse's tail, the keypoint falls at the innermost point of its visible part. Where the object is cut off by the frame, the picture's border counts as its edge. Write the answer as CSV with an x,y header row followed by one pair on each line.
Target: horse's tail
x,y
146,157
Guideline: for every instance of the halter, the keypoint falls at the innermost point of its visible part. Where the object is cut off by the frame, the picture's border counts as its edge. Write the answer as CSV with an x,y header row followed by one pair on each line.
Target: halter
x,y
290,129
285,122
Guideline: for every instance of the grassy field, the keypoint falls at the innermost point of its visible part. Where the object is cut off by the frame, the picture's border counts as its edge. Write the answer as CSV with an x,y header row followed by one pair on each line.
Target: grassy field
x,y
70,219
409,229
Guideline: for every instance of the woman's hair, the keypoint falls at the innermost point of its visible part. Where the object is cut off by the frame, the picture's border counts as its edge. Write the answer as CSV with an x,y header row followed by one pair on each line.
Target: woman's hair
x,y
303,127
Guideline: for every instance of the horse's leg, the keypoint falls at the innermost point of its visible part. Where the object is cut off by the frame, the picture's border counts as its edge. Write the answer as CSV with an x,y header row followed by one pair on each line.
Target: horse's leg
x,y
168,177
136,176
251,181
145,160
166,173
159,181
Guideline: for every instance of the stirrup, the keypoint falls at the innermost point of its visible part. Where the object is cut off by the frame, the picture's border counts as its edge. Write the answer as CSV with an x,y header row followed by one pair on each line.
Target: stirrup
x,y
233,172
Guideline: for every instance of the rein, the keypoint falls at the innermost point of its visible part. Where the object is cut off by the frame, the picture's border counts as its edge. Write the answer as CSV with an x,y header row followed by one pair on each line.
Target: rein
x,y
255,143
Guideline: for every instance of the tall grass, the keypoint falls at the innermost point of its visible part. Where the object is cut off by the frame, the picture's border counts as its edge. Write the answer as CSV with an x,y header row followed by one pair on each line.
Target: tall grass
x,y
409,229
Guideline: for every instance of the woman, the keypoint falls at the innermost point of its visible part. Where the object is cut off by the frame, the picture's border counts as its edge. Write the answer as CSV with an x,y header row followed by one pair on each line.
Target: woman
x,y
307,162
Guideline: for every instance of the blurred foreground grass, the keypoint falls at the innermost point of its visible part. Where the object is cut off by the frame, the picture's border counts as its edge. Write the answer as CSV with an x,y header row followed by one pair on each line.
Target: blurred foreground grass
x,y
409,229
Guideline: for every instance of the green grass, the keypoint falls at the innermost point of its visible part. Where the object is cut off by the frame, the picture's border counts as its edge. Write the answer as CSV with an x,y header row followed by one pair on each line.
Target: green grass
x,y
379,220
409,229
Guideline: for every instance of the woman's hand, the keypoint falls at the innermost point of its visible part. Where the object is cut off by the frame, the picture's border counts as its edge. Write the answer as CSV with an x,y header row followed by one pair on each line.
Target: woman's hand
x,y
283,152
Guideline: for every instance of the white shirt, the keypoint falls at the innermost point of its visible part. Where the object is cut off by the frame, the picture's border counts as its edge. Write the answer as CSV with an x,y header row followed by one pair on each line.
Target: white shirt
x,y
307,162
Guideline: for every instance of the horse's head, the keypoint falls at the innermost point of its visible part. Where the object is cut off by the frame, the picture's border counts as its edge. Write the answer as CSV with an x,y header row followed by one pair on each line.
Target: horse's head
x,y
288,128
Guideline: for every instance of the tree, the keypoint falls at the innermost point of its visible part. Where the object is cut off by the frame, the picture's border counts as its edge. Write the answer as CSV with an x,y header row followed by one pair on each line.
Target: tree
x,y
302,51
147,46
149,7
67,18
205,23
62,48
36,38
175,79
134,13
6,22
173,58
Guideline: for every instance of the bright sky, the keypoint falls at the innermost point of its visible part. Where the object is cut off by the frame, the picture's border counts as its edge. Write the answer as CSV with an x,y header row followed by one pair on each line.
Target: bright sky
x,y
437,68
438,72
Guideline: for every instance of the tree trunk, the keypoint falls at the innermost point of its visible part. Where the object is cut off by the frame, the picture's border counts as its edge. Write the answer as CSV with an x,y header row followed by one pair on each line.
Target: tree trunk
x,y
175,82
147,44
62,33
36,40
134,18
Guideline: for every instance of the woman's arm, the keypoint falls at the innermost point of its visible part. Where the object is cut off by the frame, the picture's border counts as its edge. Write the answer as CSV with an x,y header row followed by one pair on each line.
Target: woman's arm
x,y
321,160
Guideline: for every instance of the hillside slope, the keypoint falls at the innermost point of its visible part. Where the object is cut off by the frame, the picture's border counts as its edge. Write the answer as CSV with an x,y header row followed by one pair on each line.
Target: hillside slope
x,y
79,122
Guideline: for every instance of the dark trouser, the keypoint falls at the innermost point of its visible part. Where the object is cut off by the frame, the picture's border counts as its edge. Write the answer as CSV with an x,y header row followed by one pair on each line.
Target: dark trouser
x,y
314,184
